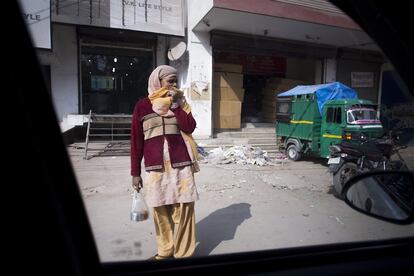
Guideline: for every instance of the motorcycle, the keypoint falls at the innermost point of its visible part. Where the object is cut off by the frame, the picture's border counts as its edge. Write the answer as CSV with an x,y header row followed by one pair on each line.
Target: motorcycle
x,y
350,158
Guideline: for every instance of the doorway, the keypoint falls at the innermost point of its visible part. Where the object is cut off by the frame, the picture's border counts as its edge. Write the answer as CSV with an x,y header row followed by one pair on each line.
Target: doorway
x,y
253,98
113,78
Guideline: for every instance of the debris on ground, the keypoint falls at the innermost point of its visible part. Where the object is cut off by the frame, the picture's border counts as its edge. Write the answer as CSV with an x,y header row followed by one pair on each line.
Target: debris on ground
x,y
338,220
280,157
201,151
241,155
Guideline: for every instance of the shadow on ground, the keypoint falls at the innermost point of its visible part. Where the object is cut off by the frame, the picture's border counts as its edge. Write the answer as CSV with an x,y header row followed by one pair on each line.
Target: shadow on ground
x,y
221,225
315,160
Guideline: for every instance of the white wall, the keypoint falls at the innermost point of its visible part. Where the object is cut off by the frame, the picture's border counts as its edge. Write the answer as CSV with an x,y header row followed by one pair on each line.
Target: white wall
x,y
63,61
200,66
197,9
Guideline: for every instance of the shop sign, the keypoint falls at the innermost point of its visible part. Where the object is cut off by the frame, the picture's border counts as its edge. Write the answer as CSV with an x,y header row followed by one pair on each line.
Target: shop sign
x,y
157,16
36,13
362,79
254,63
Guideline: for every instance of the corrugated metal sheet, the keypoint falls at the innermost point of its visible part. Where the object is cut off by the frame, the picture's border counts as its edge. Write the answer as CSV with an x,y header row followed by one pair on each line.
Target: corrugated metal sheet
x,y
314,4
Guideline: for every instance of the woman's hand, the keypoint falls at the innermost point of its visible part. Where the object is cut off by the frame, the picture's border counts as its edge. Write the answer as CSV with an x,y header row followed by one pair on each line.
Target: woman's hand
x,y
174,106
137,183
174,98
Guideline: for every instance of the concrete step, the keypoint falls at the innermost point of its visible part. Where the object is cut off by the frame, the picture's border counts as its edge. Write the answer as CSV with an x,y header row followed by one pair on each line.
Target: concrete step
x,y
253,134
250,127
262,129
254,141
257,125
243,134
236,141
267,147
213,146
268,140
215,141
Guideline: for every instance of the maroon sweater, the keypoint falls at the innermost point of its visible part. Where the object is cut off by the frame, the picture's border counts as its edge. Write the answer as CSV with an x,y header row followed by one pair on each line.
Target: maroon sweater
x,y
148,131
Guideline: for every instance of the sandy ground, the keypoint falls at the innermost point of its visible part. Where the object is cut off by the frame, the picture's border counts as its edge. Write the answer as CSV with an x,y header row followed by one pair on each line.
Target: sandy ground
x,y
241,208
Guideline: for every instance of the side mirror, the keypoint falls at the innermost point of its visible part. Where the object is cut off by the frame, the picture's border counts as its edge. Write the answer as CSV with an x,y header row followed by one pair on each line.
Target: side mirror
x,y
387,195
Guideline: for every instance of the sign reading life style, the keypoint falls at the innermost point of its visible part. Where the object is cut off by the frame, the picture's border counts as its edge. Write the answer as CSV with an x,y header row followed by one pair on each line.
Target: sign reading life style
x,y
157,16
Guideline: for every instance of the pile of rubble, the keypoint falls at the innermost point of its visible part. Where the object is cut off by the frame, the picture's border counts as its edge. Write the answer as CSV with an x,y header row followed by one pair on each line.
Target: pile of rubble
x,y
242,155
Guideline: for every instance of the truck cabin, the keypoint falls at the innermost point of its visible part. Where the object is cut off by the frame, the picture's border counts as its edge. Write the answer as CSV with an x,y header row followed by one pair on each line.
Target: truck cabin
x,y
362,115
362,120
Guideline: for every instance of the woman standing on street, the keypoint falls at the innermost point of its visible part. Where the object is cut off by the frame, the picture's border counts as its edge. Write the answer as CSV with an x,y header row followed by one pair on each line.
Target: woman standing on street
x,y
161,131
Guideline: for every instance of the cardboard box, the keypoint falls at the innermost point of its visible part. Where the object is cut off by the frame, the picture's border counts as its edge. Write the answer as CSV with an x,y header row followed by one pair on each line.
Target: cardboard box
x,y
229,108
227,122
233,80
227,114
227,67
228,94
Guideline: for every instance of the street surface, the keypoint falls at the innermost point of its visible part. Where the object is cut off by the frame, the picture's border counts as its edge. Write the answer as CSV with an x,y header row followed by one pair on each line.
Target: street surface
x,y
241,208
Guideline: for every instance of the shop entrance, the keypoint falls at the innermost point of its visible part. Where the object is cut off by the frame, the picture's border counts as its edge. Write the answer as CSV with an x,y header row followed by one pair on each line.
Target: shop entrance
x,y
254,81
113,78
253,98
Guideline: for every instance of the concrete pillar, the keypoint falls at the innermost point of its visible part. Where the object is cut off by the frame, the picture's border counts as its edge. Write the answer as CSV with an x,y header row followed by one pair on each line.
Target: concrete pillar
x,y
161,57
199,79
318,71
199,70
329,65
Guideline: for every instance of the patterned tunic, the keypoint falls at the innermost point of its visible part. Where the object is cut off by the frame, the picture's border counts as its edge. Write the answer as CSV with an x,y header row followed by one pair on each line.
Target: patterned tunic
x,y
169,185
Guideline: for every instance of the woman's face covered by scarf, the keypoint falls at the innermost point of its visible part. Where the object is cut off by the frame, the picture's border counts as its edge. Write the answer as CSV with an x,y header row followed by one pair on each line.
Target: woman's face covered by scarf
x,y
162,76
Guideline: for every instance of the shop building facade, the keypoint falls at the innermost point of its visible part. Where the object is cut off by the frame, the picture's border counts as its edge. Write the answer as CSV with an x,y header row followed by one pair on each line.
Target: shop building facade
x,y
101,54
277,45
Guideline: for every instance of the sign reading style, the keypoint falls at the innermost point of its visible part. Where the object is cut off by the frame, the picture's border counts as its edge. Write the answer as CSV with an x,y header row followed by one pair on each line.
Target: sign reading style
x,y
36,13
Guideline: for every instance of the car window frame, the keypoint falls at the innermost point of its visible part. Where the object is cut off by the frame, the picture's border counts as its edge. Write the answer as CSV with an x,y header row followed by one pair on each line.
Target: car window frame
x,y
69,226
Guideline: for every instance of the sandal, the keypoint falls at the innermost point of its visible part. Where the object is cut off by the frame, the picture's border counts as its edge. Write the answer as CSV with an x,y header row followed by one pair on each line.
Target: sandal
x,y
158,257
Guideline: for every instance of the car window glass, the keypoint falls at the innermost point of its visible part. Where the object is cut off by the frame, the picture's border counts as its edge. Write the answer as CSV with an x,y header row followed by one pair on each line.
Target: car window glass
x,y
330,115
263,181
338,115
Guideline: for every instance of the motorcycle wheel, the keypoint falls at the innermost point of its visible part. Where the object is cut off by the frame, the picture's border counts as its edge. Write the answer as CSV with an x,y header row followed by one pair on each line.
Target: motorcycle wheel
x,y
345,172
